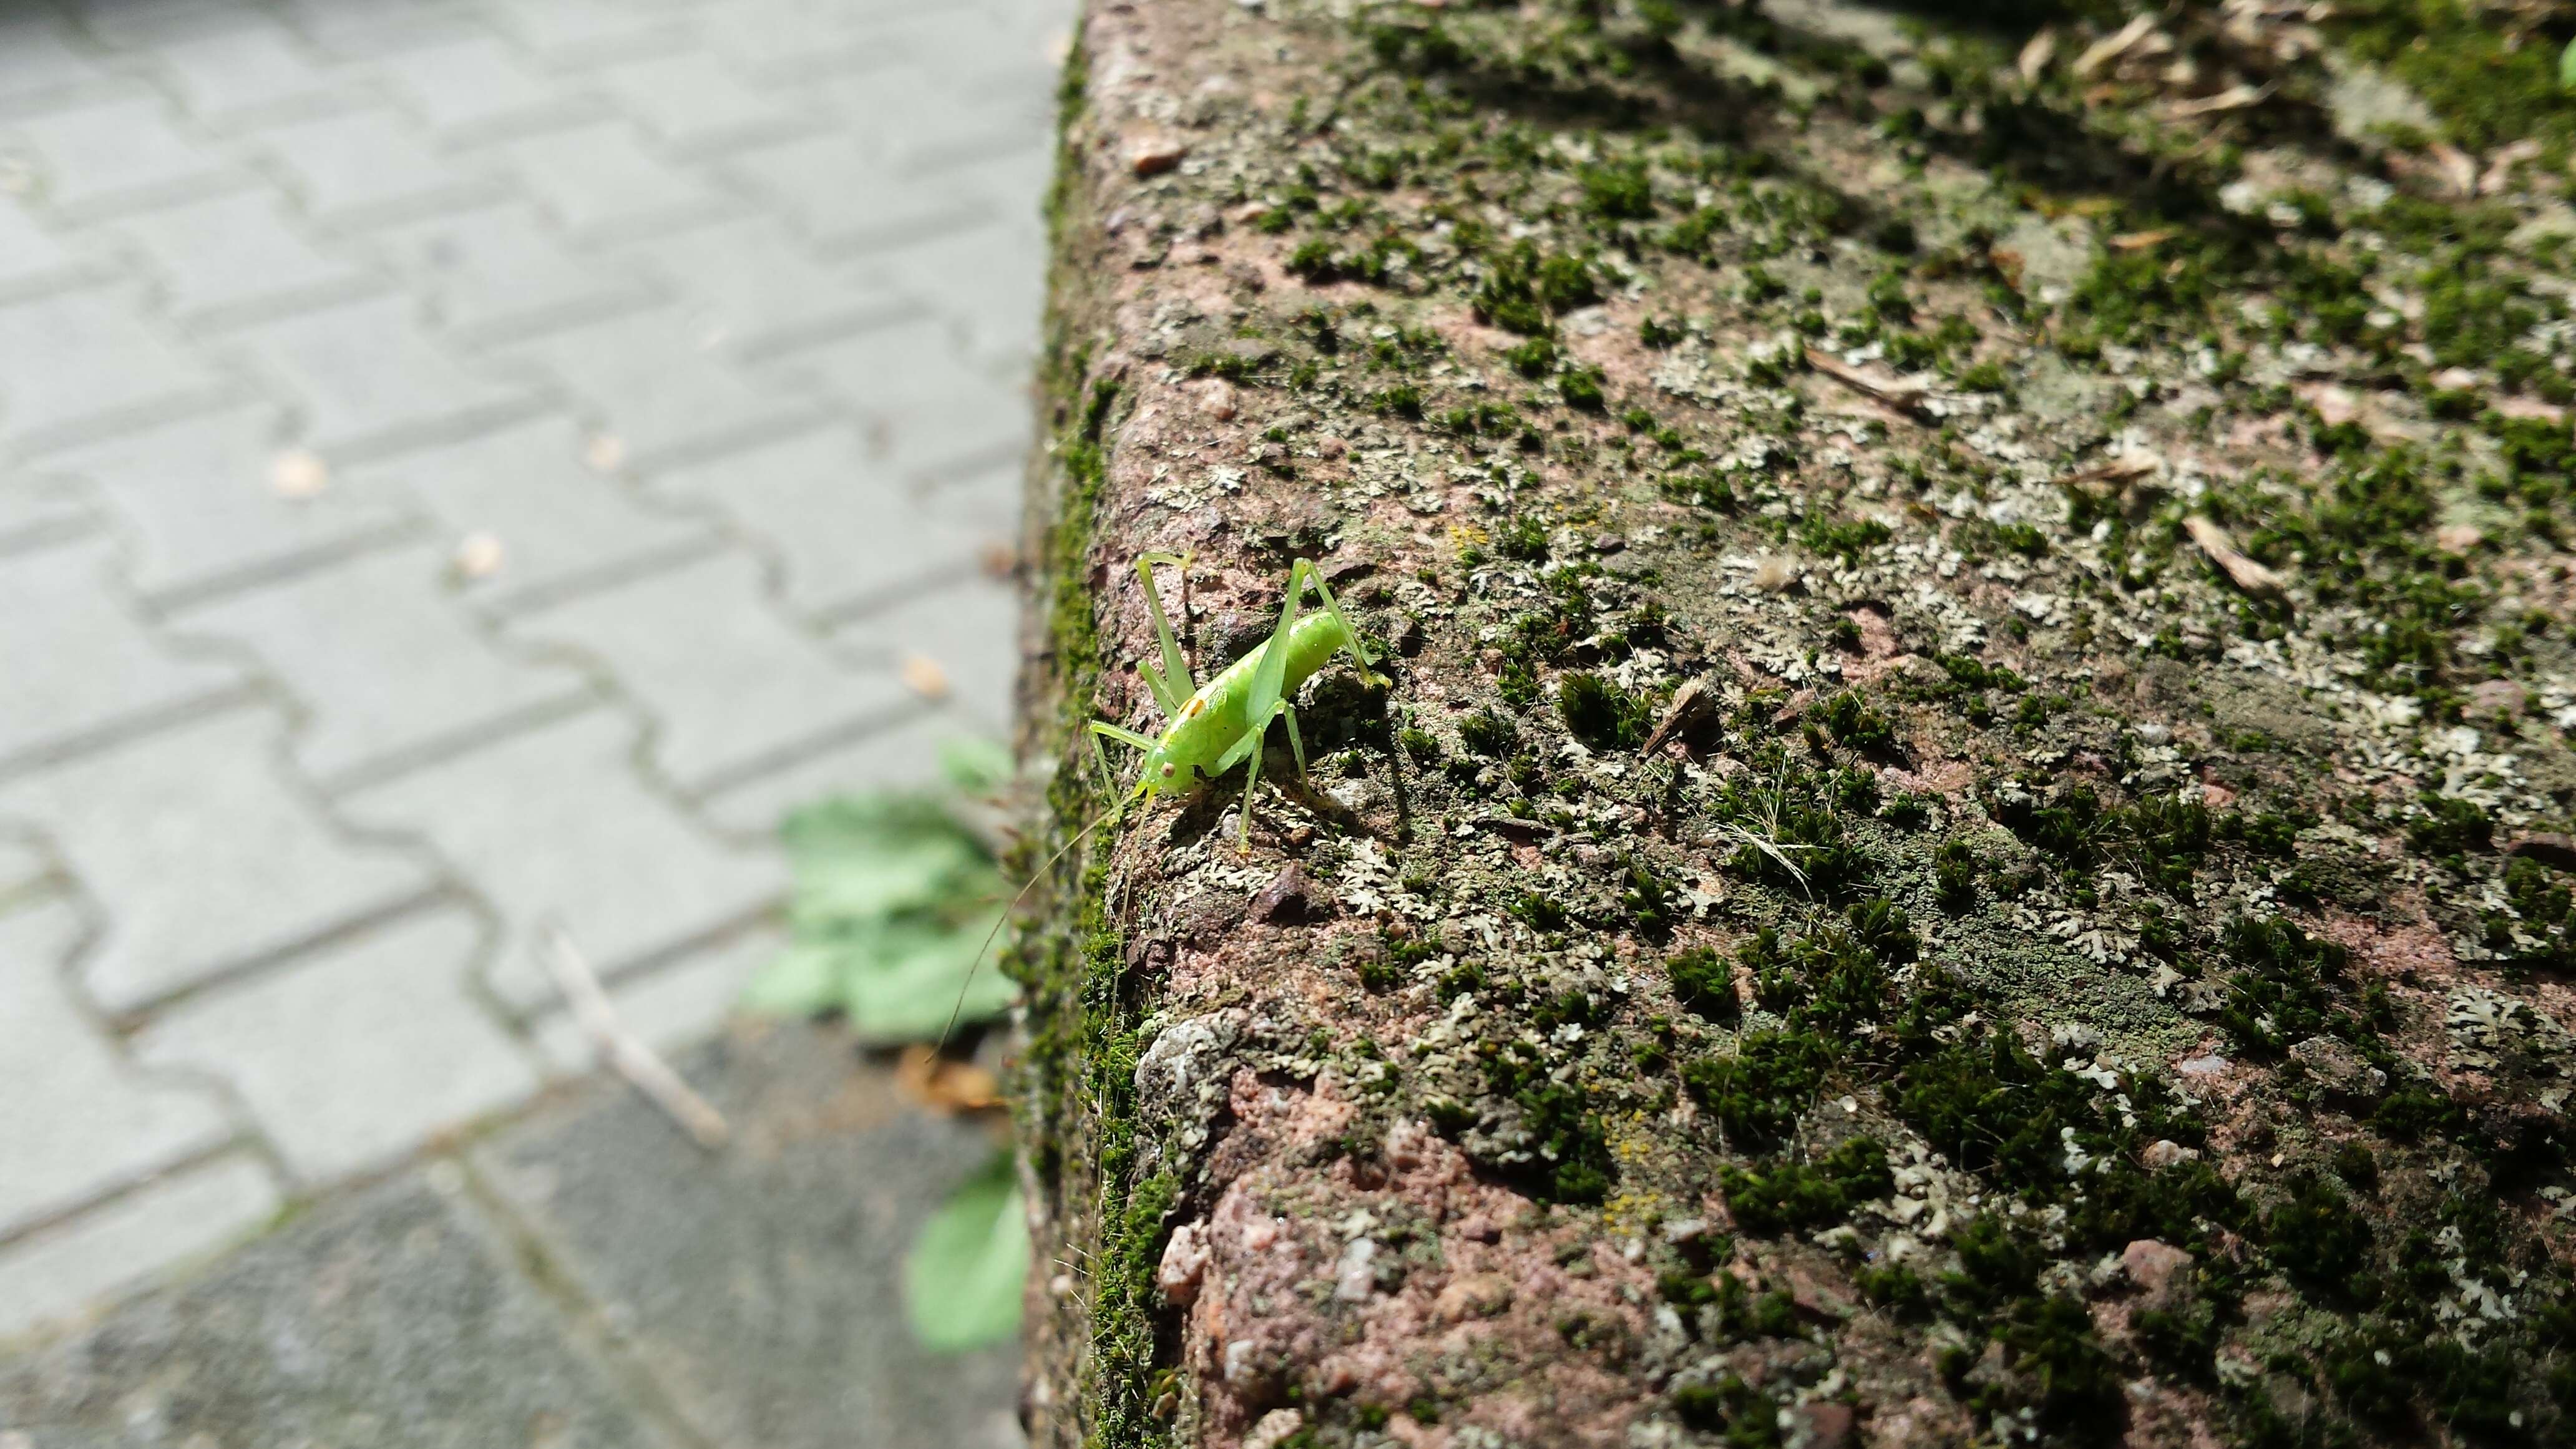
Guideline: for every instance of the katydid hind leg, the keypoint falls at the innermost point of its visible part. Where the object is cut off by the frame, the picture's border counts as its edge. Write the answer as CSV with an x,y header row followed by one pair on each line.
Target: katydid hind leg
x,y
1333,606
1270,677
1296,745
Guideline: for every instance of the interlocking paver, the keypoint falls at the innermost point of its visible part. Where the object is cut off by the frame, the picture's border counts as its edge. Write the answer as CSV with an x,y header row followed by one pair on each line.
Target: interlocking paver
x,y
845,194
390,1317
199,510
118,154
575,32
991,281
234,254
970,631
692,100
79,665
349,168
465,465
81,1121
926,408
38,509
31,258
661,383
501,271
243,73
56,1272
758,289
74,362
330,636
369,377
348,1058
553,825
915,122
560,524
903,755
730,686
39,62
844,532
202,857
600,179
671,1007
472,85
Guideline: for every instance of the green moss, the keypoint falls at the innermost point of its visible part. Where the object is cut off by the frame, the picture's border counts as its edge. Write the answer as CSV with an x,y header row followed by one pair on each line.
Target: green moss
x,y
1601,714
1793,1196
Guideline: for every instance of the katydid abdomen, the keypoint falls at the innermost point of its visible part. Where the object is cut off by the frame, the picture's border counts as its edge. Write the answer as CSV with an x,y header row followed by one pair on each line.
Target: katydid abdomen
x,y
1214,720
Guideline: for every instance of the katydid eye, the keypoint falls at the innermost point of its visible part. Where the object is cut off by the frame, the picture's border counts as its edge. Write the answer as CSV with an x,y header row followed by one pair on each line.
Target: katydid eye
x,y
1169,771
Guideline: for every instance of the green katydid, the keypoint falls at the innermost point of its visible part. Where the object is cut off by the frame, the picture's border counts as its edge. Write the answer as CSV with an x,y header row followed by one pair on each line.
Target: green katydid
x,y
1221,724
1224,722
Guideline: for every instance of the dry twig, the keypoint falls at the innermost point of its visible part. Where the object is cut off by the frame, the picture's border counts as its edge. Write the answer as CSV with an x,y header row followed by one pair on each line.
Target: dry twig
x,y
2244,572
633,1060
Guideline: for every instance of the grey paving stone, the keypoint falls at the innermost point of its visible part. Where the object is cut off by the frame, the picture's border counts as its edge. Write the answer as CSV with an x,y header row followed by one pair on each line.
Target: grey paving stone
x,y
349,168
81,1121
662,383
752,284
80,667
116,154
760,1287
40,62
370,378
990,281
554,825
798,39
928,410
902,755
202,859
198,509
383,664
731,687
234,254
74,362
844,194
243,73
907,117
845,532
387,1317
561,526
671,1008
693,101
59,1272
349,1058
469,85
501,271
31,259
599,180
576,32
969,630
367,29
23,869
130,25
37,509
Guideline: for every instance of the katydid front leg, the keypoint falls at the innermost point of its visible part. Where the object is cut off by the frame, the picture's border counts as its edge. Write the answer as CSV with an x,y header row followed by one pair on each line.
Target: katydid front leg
x,y
1125,737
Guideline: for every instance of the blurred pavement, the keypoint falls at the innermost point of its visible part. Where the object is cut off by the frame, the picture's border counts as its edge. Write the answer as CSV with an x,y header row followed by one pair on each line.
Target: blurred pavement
x,y
466,467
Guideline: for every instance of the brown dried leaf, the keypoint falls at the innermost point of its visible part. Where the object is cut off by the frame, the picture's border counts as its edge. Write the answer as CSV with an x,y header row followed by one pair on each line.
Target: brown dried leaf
x,y
2244,572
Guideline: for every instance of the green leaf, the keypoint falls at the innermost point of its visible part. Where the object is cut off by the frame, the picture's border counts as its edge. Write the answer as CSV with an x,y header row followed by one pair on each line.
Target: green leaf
x,y
804,980
962,1279
975,764
863,860
2567,67
901,982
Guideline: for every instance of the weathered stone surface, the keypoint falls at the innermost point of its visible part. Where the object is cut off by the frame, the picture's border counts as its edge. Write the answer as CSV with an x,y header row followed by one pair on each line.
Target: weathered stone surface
x,y
51,1275
760,1286
388,1317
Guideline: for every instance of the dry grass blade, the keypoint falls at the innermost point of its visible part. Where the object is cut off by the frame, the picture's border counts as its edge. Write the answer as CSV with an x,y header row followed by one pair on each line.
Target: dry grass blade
x,y
1886,390
2245,573
1689,703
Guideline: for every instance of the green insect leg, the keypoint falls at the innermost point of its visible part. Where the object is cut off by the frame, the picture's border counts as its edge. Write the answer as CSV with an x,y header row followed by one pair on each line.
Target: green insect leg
x,y
1171,684
1333,606
1100,728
